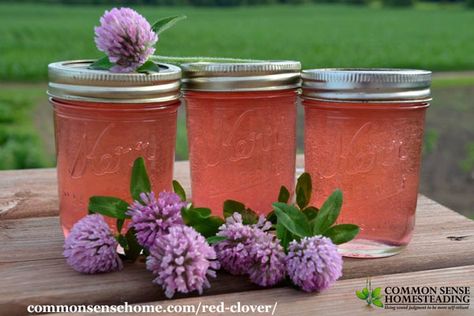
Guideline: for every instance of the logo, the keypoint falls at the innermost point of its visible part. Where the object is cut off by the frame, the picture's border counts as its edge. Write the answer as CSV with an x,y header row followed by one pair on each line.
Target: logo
x,y
409,297
371,296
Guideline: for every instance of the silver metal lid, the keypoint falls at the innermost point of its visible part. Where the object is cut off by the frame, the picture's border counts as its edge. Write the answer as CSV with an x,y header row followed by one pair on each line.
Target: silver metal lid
x,y
72,80
251,76
367,85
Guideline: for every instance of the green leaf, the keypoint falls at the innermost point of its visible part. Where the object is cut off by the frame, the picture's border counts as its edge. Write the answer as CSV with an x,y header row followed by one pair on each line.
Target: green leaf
x,y
361,295
376,292
342,233
211,227
292,218
120,223
215,239
377,303
122,241
179,190
301,200
134,249
203,211
271,217
140,183
101,64
163,24
231,206
287,222
310,212
148,67
108,206
248,216
328,213
303,190
201,221
284,195
284,235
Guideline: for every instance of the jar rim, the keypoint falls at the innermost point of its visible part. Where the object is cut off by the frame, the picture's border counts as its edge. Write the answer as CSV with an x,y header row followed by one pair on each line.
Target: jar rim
x,y
73,80
367,84
242,76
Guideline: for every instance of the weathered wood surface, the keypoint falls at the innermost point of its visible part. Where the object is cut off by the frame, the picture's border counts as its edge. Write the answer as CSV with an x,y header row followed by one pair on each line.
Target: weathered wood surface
x,y
33,192
28,193
338,300
442,239
32,270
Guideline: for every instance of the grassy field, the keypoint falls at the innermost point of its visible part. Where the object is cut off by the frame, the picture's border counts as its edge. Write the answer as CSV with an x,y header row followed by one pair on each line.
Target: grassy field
x,y
437,38
20,143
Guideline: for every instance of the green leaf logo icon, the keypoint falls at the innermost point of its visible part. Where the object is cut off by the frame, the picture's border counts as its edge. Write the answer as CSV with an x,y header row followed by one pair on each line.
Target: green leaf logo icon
x,y
372,297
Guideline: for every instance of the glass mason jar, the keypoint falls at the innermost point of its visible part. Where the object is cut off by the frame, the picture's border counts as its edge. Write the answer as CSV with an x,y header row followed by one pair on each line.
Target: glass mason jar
x,y
103,122
241,121
364,134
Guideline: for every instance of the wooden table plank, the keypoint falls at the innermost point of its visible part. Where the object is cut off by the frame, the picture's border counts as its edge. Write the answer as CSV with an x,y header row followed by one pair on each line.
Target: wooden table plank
x,y
340,299
32,269
28,193
41,238
33,192
53,282
38,274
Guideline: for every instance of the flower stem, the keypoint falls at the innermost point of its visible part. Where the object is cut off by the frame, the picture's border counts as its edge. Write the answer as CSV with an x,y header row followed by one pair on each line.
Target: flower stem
x,y
183,60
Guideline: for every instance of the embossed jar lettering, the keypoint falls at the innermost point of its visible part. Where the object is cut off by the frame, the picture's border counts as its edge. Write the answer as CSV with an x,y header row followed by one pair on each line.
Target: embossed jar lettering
x,y
101,155
246,137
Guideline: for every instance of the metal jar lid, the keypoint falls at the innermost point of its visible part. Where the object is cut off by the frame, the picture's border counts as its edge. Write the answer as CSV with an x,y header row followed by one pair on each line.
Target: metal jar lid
x,y
72,80
245,76
367,85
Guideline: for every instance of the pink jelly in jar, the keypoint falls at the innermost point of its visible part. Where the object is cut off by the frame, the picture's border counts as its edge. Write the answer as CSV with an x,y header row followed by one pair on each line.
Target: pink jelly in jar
x,y
364,134
103,122
241,121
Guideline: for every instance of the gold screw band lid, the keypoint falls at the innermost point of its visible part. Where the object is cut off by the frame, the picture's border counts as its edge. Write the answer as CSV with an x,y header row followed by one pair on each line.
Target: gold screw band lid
x,y
245,76
352,84
73,80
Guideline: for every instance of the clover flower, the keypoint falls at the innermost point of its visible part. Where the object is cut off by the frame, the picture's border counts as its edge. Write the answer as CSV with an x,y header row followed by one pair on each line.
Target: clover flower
x,y
268,265
126,37
182,261
234,252
155,216
313,263
91,247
